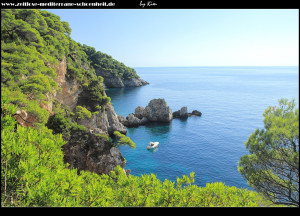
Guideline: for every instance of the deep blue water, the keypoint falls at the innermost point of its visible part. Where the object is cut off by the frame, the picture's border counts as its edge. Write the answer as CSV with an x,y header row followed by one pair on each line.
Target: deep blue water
x,y
232,101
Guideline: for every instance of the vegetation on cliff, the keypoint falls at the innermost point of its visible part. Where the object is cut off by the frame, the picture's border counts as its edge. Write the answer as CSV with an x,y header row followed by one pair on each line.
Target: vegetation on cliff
x,y
102,61
32,44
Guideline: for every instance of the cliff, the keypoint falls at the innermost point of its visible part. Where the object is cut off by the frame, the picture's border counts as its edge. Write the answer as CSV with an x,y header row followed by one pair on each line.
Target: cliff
x,y
72,94
56,82
115,73
113,81
84,149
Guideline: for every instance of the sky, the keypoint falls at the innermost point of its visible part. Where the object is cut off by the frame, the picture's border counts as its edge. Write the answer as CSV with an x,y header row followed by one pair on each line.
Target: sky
x,y
178,37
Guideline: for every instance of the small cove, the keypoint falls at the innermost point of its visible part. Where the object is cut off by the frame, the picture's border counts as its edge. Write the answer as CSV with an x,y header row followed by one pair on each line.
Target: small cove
x,y
232,101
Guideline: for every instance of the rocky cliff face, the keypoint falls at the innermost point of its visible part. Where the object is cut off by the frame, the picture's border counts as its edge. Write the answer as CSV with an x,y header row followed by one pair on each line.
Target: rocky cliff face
x,y
70,88
111,81
86,150
105,122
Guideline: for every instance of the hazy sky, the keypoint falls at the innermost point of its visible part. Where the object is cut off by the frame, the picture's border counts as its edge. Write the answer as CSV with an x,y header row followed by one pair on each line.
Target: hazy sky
x,y
200,37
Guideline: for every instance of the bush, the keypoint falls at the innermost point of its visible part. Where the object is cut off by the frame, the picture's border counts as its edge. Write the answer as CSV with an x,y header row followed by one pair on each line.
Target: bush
x,y
82,113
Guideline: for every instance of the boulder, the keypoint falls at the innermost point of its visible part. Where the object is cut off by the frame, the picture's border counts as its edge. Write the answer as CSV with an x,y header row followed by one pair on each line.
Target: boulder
x,y
158,111
176,114
183,112
197,113
143,121
139,112
121,119
132,121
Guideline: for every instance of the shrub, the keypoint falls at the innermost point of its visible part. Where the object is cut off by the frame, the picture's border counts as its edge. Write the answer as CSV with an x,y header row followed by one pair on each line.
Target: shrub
x,y
123,139
82,113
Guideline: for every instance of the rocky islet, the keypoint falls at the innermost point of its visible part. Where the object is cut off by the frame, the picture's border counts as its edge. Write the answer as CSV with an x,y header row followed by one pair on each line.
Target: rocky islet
x,y
157,110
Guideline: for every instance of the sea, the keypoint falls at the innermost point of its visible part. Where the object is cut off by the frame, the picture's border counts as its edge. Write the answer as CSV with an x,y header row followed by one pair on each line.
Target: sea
x,y
231,100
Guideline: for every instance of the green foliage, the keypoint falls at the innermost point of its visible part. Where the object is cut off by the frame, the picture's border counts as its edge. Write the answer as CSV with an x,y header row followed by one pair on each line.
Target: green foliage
x,y
103,62
273,164
124,140
103,136
82,113
61,122
18,99
27,62
94,94
28,159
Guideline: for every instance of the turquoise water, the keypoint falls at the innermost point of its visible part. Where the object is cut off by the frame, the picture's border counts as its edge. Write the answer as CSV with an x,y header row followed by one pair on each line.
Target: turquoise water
x,y
232,101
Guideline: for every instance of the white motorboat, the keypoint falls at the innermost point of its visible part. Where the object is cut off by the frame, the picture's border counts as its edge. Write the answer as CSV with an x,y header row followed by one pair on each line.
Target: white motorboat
x,y
152,145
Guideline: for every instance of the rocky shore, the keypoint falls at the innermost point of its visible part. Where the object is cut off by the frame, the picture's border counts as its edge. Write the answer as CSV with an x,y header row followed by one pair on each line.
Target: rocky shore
x,y
111,81
157,110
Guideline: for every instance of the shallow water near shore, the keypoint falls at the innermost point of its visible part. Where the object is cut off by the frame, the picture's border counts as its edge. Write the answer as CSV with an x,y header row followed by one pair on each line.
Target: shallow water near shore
x,y
232,101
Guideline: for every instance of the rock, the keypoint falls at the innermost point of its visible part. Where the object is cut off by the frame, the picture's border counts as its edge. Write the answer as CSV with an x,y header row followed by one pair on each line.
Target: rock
x,y
106,120
70,89
158,111
132,121
128,171
87,151
143,121
121,119
197,113
111,81
139,112
98,131
183,112
25,119
113,121
134,82
176,114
